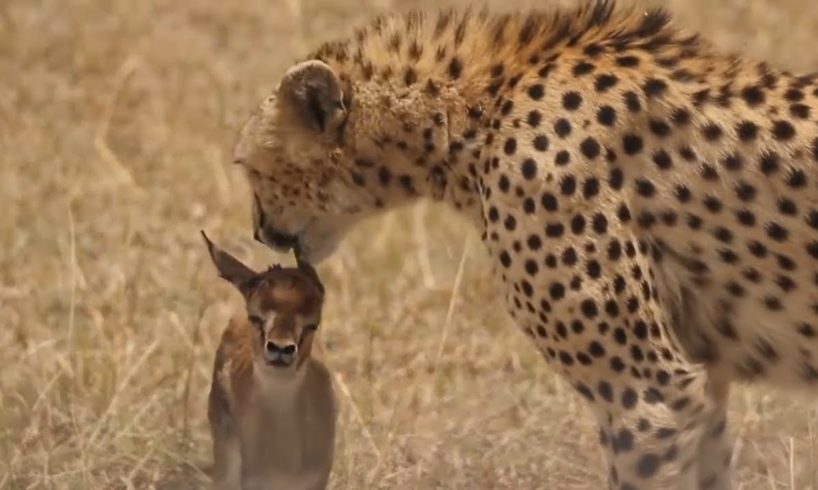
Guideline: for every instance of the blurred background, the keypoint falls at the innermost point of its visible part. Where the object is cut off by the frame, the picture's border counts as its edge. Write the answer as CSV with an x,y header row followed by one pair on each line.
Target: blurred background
x,y
116,122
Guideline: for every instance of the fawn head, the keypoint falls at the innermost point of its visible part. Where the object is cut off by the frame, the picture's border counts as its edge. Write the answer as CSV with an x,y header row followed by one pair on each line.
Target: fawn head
x,y
283,306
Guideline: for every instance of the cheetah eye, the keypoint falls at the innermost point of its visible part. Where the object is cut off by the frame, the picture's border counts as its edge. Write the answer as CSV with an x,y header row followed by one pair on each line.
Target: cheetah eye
x,y
257,321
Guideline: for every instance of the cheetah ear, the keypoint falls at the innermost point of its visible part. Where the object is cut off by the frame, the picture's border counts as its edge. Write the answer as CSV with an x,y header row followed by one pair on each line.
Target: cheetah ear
x,y
311,91
231,269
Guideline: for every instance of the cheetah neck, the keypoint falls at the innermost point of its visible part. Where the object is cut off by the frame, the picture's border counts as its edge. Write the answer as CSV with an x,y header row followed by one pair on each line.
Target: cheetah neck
x,y
407,144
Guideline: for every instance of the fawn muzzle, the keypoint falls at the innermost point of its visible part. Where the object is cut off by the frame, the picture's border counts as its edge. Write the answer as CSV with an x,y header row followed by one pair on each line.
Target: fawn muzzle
x,y
281,355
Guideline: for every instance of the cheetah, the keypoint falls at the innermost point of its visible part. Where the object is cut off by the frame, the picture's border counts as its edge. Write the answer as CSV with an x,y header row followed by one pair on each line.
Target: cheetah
x,y
272,407
650,203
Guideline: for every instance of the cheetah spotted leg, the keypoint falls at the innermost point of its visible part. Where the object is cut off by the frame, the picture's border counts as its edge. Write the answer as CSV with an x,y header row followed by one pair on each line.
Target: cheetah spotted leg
x,y
653,405
716,446
654,443
715,449
655,419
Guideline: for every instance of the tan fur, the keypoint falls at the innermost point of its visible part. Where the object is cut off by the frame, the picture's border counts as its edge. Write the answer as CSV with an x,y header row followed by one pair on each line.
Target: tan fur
x,y
651,203
272,426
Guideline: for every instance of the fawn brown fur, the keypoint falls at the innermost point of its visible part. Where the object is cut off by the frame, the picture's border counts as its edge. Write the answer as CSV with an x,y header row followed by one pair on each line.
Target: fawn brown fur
x,y
272,408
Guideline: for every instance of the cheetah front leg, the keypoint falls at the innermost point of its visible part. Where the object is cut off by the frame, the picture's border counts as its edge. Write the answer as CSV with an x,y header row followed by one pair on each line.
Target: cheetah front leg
x,y
714,455
657,420
688,321
716,446
654,435
613,343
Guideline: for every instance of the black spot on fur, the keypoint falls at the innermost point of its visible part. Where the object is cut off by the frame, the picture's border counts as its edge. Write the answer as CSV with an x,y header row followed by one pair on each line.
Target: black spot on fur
x,y
455,68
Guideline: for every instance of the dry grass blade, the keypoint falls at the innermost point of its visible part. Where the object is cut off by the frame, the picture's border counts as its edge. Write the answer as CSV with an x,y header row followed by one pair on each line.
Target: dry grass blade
x,y
105,151
339,379
101,423
458,278
422,246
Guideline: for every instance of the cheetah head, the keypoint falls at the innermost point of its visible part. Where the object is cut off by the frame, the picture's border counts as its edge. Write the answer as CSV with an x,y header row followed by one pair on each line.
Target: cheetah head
x,y
291,147
320,158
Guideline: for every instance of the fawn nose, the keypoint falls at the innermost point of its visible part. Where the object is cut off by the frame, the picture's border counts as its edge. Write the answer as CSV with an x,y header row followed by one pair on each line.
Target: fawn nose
x,y
279,354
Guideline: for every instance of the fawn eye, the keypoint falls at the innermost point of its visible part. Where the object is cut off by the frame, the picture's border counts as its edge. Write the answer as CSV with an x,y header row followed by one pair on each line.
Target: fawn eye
x,y
311,327
256,320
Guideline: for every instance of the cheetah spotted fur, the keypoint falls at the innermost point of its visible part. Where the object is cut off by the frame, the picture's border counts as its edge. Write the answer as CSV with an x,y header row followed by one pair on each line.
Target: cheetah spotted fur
x,y
651,203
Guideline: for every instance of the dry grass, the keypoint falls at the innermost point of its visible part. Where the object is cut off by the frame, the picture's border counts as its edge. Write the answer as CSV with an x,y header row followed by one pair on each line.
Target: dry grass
x,y
115,120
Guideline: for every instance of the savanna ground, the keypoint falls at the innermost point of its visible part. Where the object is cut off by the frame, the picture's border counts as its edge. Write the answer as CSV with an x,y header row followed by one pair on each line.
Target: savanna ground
x,y
116,121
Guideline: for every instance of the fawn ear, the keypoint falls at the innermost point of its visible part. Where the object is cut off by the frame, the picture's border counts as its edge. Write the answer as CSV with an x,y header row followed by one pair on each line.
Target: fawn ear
x,y
310,272
311,91
231,269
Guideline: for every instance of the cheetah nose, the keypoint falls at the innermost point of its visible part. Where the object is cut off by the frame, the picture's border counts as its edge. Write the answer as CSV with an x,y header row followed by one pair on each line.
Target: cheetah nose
x,y
281,355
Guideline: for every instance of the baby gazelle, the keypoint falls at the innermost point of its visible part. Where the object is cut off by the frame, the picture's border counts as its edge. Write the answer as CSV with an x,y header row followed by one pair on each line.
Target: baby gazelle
x,y
272,408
